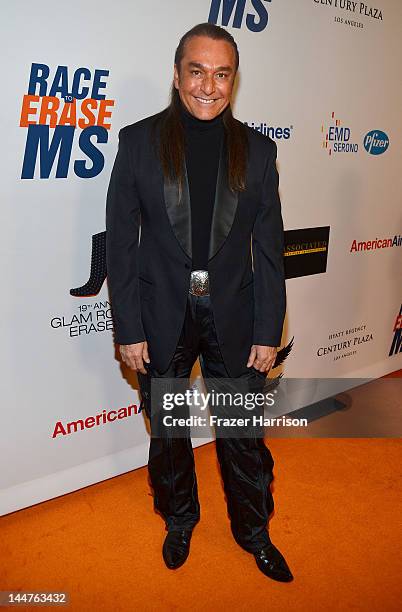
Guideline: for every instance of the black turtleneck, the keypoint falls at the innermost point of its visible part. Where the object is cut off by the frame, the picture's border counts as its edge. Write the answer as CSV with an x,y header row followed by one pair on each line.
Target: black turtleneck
x,y
203,141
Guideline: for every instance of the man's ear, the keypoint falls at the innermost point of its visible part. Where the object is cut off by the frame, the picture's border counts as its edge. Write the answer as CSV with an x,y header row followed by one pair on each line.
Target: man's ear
x,y
176,77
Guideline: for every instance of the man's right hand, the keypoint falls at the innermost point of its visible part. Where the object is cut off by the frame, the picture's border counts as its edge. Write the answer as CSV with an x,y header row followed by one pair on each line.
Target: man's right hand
x,y
134,355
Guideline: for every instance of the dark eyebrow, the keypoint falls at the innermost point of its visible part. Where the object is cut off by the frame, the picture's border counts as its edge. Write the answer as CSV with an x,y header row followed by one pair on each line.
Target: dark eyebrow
x,y
219,69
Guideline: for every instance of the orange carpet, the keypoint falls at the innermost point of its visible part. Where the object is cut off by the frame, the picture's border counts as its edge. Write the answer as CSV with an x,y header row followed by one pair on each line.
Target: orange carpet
x,y
337,520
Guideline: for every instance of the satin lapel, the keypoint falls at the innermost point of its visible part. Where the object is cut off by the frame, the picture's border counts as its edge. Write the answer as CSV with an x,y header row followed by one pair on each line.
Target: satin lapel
x,y
179,212
224,207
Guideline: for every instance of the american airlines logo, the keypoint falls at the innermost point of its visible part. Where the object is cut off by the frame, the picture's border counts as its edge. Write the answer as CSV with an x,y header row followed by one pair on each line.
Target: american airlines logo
x,y
103,418
376,243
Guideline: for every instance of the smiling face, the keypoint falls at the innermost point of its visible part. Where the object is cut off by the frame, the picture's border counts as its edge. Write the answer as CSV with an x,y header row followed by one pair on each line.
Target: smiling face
x,y
206,76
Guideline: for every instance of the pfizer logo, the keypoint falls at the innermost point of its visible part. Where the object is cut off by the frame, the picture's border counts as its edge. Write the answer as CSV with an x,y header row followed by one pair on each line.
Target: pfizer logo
x,y
376,142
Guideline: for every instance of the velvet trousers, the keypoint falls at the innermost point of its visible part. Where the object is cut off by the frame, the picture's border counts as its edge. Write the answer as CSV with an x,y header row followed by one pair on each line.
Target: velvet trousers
x,y
246,463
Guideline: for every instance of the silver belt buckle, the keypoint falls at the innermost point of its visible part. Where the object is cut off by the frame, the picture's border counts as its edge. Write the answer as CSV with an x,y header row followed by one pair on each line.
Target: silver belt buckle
x,y
199,282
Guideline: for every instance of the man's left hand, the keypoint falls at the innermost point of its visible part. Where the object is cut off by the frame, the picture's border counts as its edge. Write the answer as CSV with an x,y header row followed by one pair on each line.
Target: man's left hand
x,y
261,357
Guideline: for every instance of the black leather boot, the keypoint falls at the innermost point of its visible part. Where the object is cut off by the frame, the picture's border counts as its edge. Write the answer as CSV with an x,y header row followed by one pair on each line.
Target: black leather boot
x,y
272,563
98,268
176,548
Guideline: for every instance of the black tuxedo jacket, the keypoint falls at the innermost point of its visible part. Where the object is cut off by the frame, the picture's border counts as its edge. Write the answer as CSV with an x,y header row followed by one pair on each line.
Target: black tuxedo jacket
x,y
148,251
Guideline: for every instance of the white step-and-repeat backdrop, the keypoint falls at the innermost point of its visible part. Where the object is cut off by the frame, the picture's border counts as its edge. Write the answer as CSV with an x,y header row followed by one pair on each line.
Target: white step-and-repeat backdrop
x,y
322,77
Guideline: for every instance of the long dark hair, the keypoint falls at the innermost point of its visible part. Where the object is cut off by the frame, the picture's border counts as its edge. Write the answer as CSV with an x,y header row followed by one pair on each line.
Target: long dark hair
x,y
171,135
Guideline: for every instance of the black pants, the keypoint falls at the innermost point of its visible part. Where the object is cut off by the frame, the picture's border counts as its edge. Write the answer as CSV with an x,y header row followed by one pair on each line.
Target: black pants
x,y
246,463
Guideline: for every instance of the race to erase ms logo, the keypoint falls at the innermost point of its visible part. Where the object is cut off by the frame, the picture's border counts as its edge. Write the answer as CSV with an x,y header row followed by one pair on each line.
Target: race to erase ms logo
x,y
396,345
63,106
337,137
233,13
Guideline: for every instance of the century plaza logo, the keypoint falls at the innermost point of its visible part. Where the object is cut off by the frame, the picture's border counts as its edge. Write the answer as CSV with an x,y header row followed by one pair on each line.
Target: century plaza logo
x,y
337,137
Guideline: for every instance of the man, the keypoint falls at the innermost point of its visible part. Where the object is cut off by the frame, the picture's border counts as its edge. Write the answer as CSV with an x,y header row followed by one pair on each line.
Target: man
x,y
206,279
